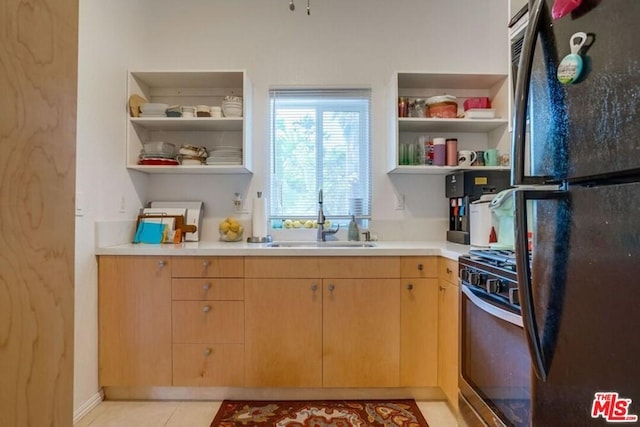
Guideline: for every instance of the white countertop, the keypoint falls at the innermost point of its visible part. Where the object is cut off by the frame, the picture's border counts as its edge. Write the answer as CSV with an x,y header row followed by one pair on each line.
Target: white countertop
x,y
217,248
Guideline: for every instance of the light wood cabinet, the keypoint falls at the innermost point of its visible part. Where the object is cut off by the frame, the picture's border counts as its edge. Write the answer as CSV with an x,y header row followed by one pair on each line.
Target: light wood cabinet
x,y
316,321
361,320
134,306
208,321
448,330
419,322
283,332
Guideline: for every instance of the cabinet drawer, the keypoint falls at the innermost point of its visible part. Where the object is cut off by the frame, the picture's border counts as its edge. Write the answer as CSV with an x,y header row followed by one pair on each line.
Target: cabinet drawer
x,y
419,266
208,322
208,266
448,270
370,267
282,267
208,289
208,364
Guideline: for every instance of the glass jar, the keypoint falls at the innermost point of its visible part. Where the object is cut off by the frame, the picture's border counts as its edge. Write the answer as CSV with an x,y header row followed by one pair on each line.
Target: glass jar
x,y
403,106
418,108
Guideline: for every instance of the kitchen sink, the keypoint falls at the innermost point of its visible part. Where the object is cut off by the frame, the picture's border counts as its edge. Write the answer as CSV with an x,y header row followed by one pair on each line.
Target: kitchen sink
x,y
321,245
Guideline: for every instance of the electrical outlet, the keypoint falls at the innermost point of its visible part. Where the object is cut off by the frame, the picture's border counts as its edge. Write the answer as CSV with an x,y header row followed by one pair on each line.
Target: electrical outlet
x,y
399,202
122,205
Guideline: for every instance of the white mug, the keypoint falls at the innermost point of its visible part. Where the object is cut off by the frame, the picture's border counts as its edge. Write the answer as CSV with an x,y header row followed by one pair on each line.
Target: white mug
x,y
466,157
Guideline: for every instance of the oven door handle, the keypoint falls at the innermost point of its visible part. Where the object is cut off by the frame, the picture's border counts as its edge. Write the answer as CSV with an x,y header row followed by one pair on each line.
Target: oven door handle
x,y
491,309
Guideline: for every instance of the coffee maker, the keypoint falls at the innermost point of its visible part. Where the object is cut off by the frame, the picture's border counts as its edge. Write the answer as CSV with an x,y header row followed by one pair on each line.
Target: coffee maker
x,y
464,187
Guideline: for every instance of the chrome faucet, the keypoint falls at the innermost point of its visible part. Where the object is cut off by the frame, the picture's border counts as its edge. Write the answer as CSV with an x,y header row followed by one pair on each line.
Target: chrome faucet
x,y
322,233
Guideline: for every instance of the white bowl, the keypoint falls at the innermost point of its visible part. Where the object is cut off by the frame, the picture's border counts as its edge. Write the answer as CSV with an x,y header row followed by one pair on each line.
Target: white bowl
x,y
151,107
232,111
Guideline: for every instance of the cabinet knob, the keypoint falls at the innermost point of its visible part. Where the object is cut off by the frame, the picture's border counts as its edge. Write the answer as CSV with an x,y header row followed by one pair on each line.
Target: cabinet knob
x,y
410,286
442,288
331,287
206,309
420,267
206,287
207,352
206,264
449,271
162,263
314,287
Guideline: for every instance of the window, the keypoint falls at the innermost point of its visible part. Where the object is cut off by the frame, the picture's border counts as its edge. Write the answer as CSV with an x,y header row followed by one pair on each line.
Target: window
x,y
320,140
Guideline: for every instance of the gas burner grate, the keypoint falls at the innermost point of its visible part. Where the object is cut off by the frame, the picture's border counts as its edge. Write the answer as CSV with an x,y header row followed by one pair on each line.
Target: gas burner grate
x,y
501,256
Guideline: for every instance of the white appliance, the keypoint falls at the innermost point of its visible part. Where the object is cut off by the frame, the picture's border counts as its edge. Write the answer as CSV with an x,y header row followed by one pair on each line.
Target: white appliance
x,y
481,221
502,208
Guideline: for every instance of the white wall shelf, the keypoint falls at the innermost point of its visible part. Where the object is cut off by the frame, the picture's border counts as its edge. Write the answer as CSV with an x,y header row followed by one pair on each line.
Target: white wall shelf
x,y
472,134
190,88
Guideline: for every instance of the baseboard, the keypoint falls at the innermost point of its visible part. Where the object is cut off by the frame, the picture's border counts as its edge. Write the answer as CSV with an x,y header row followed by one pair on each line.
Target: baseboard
x,y
87,406
246,393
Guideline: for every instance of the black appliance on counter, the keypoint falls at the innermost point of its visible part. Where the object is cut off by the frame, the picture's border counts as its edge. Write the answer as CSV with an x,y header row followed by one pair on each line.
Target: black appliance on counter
x,y
464,187
577,232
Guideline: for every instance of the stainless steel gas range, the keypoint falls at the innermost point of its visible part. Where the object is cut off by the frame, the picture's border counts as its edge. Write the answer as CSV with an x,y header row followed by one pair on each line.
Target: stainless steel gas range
x,y
495,366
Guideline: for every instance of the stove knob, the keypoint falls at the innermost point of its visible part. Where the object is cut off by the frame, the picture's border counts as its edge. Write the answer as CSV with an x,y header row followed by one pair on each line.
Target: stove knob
x,y
474,279
464,274
493,286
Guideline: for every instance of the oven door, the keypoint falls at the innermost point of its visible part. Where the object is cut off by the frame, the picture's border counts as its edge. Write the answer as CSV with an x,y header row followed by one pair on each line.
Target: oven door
x,y
495,366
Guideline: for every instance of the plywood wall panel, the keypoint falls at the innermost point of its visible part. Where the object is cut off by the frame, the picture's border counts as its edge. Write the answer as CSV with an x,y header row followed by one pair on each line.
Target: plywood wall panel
x,y
38,79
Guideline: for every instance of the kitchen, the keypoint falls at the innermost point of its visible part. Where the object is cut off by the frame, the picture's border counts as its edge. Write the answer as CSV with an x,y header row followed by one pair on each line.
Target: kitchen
x,y
269,42
277,47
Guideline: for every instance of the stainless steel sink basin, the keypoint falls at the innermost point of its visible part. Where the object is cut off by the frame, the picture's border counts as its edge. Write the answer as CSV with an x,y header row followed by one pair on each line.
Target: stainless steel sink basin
x,y
321,245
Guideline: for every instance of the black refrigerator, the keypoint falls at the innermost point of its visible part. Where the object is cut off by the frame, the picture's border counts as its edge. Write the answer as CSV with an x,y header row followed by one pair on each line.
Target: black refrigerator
x,y
576,163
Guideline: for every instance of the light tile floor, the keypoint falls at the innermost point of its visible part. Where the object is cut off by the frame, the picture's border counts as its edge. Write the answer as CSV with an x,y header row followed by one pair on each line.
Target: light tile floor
x,y
200,414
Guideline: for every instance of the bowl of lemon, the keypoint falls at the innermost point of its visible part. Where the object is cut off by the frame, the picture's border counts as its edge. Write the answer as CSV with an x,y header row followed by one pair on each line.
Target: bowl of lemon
x,y
230,230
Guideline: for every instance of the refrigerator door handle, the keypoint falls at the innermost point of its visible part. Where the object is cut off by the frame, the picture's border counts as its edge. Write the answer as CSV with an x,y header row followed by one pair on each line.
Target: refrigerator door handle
x,y
525,285
518,173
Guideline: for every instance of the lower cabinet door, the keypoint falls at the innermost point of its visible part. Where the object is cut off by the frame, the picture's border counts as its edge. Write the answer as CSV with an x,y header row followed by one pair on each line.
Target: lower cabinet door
x,y
361,343
208,365
283,335
419,333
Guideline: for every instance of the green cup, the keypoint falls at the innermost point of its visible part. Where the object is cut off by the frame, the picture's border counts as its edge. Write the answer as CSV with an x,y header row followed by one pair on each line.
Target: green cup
x,y
491,157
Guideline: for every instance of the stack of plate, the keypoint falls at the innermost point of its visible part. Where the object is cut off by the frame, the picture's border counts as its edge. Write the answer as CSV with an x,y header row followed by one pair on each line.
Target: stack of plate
x,y
152,109
225,155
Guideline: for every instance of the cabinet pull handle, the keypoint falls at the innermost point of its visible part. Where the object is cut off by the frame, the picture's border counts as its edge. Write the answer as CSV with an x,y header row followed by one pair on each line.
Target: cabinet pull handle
x,y
410,286
420,267
207,352
206,264
206,287
331,287
162,263
314,287
449,271
206,309
442,288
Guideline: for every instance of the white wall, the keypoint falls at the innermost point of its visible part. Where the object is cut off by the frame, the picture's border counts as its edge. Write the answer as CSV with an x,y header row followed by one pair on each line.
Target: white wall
x,y
356,42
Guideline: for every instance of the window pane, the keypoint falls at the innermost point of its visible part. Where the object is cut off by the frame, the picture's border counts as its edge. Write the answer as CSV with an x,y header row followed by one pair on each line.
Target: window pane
x,y
320,140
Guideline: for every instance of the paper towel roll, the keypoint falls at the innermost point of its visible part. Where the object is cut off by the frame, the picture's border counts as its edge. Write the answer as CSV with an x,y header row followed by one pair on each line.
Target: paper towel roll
x,y
259,219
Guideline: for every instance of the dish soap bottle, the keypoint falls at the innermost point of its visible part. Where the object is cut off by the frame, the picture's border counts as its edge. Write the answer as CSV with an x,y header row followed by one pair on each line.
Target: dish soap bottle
x,y
354,232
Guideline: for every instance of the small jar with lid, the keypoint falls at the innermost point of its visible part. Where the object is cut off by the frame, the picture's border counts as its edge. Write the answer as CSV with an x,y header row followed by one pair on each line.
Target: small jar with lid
x,y
444,106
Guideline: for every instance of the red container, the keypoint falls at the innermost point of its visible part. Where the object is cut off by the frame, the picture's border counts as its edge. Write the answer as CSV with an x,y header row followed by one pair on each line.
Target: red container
x,y
470,103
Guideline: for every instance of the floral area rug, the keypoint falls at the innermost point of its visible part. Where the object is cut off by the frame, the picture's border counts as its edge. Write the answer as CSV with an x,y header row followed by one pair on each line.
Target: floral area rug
x,y
319,413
